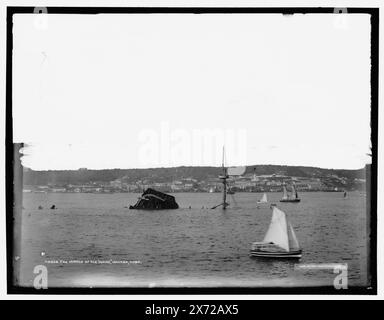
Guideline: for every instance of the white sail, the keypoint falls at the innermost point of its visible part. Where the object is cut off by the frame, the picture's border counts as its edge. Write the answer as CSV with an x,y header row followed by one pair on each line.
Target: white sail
x,y
236,171
293,243
285,194
263,198
278,231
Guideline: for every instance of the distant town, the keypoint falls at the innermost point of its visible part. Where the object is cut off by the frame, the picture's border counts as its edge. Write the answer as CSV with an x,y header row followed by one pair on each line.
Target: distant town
x,y
192,179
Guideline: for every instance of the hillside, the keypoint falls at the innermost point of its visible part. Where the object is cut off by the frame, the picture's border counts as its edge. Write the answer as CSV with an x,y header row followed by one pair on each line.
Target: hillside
x,y
83,176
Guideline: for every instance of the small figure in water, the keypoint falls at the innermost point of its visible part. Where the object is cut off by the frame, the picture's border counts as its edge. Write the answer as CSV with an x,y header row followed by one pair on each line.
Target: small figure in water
x,y
40,207
53,207
189,207
345,194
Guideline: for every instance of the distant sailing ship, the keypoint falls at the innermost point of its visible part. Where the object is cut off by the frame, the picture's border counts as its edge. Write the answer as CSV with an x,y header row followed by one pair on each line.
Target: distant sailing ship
x,y
230,191
227,173
263,199
280,240
294,196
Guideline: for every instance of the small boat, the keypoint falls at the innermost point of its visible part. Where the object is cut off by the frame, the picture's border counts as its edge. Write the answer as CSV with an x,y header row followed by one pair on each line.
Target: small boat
x,y
293,198
263,199
280,240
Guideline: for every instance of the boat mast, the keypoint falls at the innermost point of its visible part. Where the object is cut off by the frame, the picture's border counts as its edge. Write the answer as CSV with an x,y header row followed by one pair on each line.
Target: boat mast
x,y
224,179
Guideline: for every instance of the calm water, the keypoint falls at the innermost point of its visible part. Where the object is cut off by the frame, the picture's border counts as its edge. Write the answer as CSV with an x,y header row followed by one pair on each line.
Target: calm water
x,y
187,247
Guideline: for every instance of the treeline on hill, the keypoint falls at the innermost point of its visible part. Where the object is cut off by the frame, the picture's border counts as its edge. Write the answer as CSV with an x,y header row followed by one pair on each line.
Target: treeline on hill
x,y
58,177
299,171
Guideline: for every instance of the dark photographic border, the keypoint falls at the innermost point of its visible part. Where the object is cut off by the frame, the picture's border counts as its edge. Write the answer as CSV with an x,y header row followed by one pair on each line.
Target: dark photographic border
x,y
14,177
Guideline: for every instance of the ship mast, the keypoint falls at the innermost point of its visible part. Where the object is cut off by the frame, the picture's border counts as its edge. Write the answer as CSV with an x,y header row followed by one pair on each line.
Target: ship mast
x,y
223,178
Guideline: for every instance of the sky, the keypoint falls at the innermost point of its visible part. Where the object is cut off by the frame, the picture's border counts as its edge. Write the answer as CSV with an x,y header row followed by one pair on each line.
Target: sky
x,y
138,91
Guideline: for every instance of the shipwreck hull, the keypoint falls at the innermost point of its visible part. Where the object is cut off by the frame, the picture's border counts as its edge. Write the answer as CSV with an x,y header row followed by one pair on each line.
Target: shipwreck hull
x,y
155,200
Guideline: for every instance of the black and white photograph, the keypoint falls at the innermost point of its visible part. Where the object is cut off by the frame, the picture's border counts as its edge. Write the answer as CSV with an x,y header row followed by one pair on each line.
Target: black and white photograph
x,y
192,149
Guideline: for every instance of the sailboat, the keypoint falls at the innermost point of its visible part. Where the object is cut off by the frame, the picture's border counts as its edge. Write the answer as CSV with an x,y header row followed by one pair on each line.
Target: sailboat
x,y
280,240
293,198
263,199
